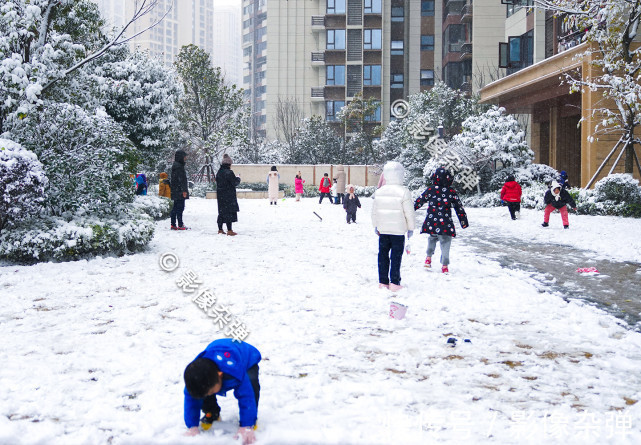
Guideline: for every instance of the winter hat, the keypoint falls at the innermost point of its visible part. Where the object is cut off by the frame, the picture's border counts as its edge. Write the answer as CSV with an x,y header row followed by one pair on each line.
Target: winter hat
x,y
164,175
227,159
555,185
274,168
510,178
180,156
349,189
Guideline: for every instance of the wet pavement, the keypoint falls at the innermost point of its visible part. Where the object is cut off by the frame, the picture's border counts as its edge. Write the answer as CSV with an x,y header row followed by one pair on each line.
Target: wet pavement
x,y
615,289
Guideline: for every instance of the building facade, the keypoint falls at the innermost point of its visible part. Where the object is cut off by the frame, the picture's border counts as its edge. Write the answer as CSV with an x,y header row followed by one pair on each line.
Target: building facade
x,y
319,54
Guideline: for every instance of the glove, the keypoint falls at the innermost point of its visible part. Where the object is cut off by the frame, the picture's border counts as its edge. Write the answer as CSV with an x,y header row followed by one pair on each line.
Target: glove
x,y
503,202
410,233
247,434
376,231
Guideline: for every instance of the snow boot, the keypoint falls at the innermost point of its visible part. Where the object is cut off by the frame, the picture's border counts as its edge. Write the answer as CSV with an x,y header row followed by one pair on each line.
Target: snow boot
x,y
207,420
231,233
545,224
445,269
428,262
174,228
183,228
383,286
566,227
221,232
395,287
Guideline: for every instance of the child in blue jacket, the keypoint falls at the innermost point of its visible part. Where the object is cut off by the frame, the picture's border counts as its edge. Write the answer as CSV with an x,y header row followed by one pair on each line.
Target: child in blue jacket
x,y
224,365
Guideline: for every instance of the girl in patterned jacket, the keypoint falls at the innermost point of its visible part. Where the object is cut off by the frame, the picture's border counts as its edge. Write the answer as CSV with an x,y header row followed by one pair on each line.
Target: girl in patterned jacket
x,y
440,197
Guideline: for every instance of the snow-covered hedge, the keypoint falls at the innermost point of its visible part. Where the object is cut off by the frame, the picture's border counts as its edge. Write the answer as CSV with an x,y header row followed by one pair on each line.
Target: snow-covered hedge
x,y
22,183
56,239
155,206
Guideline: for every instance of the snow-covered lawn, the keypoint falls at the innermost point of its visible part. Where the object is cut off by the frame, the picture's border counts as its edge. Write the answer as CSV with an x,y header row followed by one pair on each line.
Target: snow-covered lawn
x,y
93,351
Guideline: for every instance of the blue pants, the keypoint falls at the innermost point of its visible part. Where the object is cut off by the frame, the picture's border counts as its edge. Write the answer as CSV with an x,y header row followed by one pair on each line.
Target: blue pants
x,y
390,273
177,212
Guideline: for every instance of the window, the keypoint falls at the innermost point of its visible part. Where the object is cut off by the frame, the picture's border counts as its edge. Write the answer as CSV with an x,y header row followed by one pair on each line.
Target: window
x,y
427,8
397,48
371,39
427,78
376,117
517,53
396,80
453,38
371,75
398,14
427,43
336,6
372,6
331,108
335,75
335,39
247,51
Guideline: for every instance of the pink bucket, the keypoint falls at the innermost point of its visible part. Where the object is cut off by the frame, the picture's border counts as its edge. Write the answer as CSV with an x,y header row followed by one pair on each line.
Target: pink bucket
x,y
397,311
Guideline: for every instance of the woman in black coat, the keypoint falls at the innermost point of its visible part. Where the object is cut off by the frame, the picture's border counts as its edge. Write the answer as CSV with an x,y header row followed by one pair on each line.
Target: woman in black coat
x,y
226,182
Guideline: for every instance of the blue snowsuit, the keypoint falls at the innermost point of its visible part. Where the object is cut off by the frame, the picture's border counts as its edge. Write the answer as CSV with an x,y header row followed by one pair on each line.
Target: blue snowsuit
x,y
233,359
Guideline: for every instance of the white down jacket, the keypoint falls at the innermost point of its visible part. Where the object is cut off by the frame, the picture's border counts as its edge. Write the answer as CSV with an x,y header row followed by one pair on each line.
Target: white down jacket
x,y
393,209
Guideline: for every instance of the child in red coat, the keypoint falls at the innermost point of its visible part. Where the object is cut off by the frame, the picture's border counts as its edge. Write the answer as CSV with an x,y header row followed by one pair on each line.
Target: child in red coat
x,y
511,194
325,185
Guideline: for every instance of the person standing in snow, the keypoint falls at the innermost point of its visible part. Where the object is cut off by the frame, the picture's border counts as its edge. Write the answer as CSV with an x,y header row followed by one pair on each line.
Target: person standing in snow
x,y
340,178
164,189
351,204
179,189
223,366
141,184
440,197
226,182
563,180
511,193
324,187
557,198
272,185
298,186
392,217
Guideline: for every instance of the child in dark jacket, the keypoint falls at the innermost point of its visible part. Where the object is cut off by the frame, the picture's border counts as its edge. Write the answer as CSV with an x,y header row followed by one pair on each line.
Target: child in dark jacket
x,y
224,365
511,193
351,204
557,198
440,197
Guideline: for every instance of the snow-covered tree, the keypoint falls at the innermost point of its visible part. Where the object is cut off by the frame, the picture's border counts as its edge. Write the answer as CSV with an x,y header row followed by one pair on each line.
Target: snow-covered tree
x,y
260,153
610,28
359,120
22,183
86,157
212,112
316,142
492,144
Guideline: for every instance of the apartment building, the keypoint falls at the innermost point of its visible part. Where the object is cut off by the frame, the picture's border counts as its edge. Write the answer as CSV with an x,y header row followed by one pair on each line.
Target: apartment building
x,y
538,50
321,53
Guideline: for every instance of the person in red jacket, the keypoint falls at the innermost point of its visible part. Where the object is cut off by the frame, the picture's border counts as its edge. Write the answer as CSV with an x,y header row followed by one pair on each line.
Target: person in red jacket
x,y
325,185
511,193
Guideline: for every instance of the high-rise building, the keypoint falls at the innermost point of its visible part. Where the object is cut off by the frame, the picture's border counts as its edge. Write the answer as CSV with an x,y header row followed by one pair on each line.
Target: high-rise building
x,y
321,53
213,25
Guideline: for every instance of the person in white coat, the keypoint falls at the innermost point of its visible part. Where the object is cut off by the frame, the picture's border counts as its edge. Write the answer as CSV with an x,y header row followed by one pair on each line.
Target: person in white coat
x,y
392,217
272,183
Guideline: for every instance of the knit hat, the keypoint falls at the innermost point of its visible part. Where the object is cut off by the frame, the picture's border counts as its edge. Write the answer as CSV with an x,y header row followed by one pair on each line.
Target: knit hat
x,y
227,159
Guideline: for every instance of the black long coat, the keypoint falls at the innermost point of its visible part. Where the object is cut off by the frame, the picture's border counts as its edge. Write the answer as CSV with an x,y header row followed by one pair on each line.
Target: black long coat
x,y
226,182
178,181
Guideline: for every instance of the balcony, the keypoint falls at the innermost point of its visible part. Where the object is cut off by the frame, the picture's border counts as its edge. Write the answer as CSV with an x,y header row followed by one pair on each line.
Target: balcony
x,y
318,58
466,13
466,86
318,22
318,93
466,51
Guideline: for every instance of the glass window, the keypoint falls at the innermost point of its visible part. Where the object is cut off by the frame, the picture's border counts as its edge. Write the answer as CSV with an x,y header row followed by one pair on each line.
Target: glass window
x,y
427,43
335,39
397,48
427,77
372,6
427,8
398,14
336,6
371,75
376,117
331,108
371,39
335,75
396,80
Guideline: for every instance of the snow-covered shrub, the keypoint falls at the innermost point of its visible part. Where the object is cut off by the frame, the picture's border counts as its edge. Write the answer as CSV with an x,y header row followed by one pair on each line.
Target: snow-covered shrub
x,y
531,198
200,189
618,187
22,183
156,207
360,190
86,157
53,238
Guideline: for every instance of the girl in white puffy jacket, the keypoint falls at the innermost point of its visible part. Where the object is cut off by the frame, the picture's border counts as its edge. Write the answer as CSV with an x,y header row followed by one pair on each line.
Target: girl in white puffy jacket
x,y
392,217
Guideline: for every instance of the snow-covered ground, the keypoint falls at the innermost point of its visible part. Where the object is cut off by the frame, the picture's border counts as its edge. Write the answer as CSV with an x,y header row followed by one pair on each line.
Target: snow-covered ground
x,y
93,351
